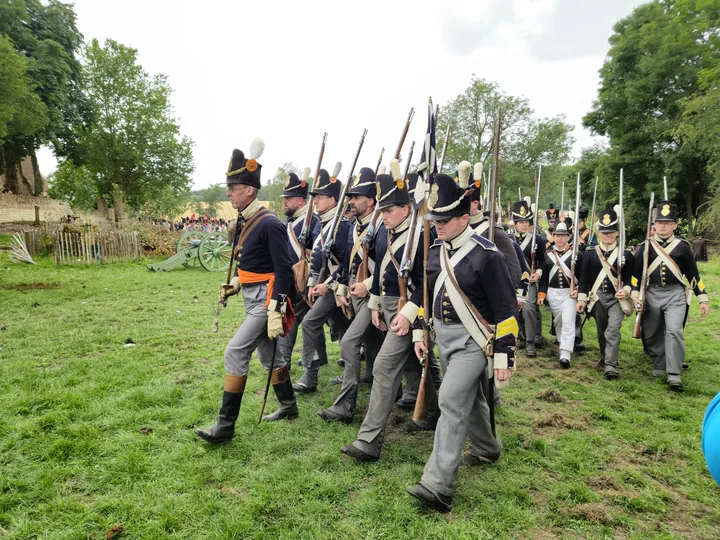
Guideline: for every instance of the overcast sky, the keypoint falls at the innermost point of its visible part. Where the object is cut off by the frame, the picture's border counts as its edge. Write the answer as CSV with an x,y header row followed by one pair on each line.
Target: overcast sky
x,y
288,71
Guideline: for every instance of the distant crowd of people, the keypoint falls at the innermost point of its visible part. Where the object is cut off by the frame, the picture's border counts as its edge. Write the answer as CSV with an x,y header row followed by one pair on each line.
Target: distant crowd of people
x,y
192,223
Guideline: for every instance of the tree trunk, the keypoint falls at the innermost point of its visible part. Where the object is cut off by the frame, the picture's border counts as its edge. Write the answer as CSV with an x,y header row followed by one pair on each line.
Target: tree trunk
x,y
37,177
10,168
119,206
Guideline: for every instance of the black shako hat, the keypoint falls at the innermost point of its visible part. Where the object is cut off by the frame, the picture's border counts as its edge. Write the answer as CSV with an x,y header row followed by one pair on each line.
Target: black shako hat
x,y
551,213
325,184
391,188
583,213
296,187
447,198
522,211
608,221
666,211
364,184
246,171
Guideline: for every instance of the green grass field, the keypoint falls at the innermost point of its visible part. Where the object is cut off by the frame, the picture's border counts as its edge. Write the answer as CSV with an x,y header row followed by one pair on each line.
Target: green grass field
x,y
77,460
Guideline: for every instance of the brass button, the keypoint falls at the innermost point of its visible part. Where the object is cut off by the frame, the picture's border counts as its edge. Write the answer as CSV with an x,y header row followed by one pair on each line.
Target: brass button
x,y
445,312
446,320
445,303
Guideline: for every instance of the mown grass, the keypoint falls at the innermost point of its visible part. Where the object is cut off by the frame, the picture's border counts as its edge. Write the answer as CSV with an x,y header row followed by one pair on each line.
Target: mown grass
x,y
610,459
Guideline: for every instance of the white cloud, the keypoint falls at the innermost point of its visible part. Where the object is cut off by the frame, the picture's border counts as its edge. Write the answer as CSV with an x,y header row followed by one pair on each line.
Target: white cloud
x,y
287,71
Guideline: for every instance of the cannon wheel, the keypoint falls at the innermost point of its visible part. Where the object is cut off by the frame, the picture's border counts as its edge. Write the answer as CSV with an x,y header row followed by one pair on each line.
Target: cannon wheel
x,y
184,243
215,252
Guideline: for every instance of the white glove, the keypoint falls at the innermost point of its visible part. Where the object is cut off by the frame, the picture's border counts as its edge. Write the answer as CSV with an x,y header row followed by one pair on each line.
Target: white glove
x,y
275,324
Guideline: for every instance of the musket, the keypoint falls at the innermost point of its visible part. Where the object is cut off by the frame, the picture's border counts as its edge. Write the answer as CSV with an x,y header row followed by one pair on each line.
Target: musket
x,y
362,272
491,237
445,147
519,194
420,411
576,235
533,246
379,161
492,194
665,187
402,279
222,302
592,216
302,239
621,236
341,207
562,199
304,262
637,328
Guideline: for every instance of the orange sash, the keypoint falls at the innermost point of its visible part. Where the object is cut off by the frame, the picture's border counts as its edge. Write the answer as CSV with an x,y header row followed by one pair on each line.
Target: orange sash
x,y
252,277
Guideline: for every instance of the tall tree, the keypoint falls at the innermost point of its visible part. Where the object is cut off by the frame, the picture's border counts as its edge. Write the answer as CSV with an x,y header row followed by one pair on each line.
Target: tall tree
x,y
526,141
653,64
133,146
46,34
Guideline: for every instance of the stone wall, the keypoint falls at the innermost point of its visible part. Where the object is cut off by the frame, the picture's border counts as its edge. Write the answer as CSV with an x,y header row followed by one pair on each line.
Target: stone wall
x,y
15,208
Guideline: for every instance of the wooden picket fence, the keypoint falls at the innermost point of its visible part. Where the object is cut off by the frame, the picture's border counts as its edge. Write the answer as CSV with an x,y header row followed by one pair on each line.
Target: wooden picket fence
x,y
97,247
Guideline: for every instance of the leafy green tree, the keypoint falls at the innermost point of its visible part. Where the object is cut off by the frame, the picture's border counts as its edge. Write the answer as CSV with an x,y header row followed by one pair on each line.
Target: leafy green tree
x,y
699,131
525,141
44,33
73,184
653,64
208,201
276,185
133,146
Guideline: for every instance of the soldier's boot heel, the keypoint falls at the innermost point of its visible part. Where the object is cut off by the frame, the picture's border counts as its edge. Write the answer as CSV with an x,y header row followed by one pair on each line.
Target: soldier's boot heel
x,y
286,396
224,430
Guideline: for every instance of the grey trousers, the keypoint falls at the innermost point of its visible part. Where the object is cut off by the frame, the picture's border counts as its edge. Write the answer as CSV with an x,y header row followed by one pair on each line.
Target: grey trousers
x,y
608,317
313,329
663,324
361,331
252,335
463,407
286,343
395,353
529,324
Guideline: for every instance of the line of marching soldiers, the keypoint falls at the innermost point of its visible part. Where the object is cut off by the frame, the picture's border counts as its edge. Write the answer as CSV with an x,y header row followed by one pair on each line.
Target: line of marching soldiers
x,y
473,283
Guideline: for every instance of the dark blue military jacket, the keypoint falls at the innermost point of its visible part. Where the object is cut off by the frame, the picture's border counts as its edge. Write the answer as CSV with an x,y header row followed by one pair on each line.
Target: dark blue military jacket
x,y
387,284
484,278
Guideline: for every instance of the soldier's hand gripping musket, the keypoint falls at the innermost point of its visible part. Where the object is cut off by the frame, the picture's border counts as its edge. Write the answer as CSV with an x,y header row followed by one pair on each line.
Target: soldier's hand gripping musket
x,y
232,285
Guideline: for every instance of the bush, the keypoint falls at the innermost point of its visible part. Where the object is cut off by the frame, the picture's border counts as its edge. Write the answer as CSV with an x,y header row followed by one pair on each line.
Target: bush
x,y
156,240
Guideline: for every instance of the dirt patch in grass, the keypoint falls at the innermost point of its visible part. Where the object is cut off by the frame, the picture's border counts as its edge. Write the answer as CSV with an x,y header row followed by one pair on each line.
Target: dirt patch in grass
x,y
29,286
551,396
603,483
592,512
559,421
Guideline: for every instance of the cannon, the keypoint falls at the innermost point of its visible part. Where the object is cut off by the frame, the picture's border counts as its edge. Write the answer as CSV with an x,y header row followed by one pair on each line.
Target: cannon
x,y
212,251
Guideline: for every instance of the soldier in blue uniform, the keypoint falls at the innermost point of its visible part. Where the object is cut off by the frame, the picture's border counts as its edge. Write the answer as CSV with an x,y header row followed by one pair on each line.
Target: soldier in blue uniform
x,y
530,321
472,299
264,275
295,206
320,292
670,264
389,314
598,289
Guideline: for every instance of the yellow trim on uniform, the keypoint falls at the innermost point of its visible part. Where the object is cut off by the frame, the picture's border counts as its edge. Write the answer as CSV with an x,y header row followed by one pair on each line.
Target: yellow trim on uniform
x,y
508,326
634,281
701,285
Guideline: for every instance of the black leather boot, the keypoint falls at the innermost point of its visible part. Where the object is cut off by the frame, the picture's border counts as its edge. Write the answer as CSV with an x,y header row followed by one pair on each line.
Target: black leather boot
x,y
224,430
280,380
